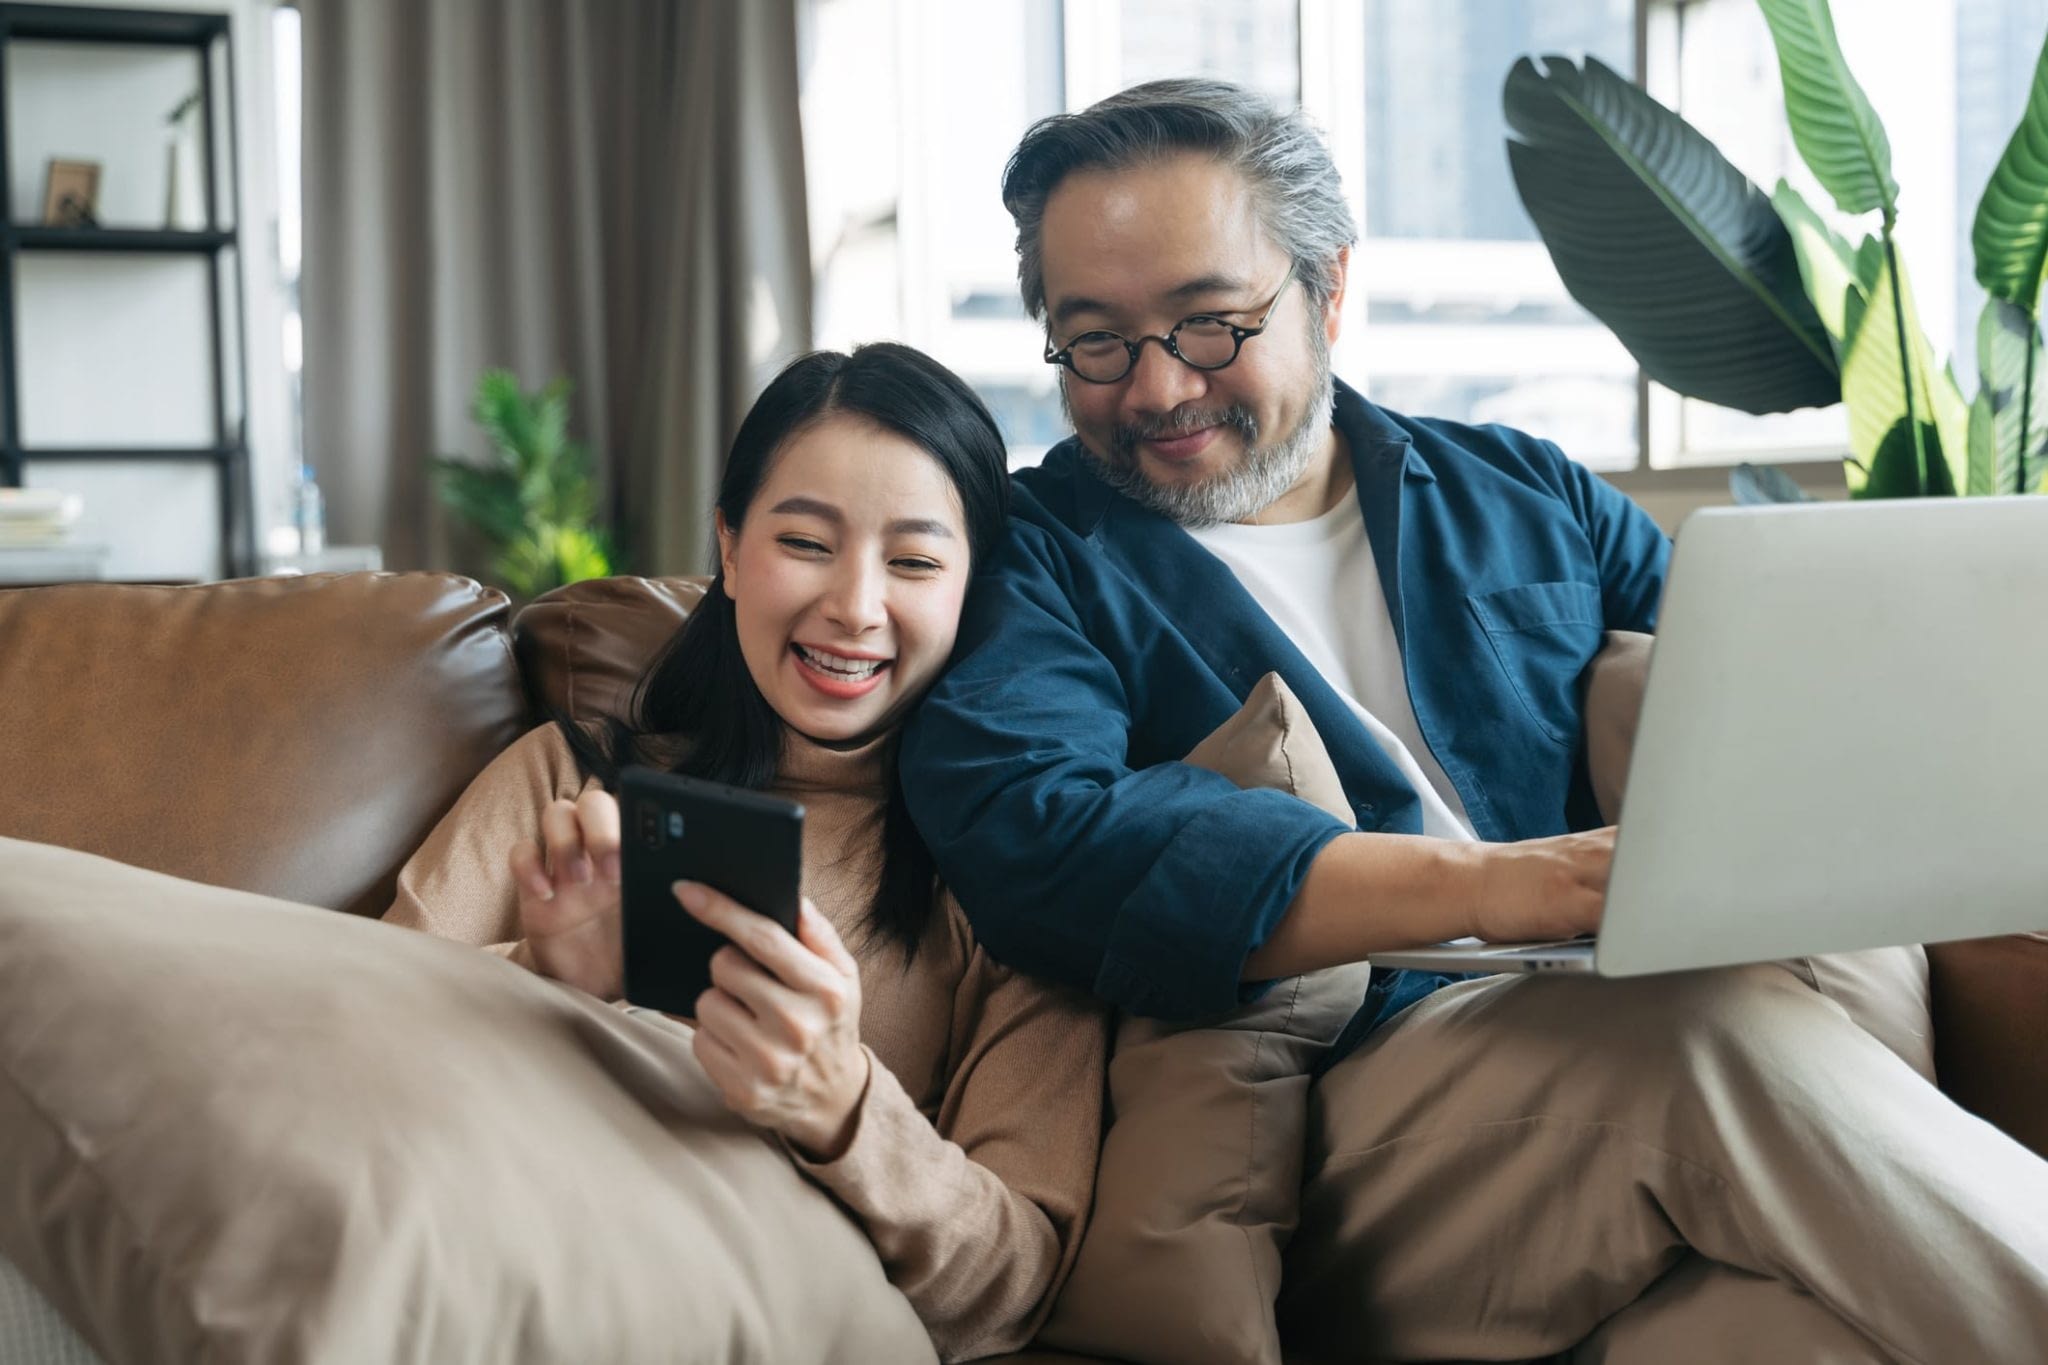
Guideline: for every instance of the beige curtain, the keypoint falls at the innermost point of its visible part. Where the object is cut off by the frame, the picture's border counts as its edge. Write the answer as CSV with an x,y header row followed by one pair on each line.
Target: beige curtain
x,y
607,189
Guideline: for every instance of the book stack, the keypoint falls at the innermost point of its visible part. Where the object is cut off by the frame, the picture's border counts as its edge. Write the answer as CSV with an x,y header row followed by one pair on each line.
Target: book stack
x,y
36,518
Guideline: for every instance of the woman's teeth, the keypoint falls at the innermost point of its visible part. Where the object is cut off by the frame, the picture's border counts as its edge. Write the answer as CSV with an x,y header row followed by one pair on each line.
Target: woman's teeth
x,y
838,666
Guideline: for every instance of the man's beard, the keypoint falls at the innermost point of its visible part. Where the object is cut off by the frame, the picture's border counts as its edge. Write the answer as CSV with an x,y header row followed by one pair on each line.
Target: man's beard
x,y
1258,478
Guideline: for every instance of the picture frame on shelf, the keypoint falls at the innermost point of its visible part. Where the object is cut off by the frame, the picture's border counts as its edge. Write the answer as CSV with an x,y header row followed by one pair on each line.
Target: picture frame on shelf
x,y
71,197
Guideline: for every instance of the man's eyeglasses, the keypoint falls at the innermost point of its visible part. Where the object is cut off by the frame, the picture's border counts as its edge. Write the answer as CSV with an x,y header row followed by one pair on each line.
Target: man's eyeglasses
x,y
1202,340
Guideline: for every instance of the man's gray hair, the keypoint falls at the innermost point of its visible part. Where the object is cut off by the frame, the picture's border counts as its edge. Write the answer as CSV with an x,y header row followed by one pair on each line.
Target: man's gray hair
x,y
1293,181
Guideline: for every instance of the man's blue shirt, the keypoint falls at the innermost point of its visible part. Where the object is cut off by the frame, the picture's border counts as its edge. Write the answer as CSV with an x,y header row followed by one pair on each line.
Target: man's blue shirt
x,y
1104,644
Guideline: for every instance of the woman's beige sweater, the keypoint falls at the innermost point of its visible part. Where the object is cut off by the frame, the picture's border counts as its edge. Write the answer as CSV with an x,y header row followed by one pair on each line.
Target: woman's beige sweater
x,y
973,1157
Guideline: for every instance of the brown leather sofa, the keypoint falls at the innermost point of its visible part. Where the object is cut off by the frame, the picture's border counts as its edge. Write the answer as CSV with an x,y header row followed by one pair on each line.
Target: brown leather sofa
x,y
299,737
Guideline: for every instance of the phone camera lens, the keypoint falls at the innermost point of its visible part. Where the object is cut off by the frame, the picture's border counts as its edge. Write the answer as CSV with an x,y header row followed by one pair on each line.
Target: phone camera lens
x,y
650,827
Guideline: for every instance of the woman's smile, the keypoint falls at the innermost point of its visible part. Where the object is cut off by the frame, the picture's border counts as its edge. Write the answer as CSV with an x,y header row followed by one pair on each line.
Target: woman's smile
x,y
840,675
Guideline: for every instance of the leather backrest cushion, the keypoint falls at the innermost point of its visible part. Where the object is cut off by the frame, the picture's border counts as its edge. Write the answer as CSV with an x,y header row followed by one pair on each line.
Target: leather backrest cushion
x,y
583,647
293,737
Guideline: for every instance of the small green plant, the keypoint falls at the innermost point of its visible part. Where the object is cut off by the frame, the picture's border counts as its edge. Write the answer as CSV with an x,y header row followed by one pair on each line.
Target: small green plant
x,y
1751,300
532,501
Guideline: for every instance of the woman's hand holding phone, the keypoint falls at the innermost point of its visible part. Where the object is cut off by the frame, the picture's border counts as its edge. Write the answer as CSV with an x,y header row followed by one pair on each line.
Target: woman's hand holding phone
x,y
779,1030
569,894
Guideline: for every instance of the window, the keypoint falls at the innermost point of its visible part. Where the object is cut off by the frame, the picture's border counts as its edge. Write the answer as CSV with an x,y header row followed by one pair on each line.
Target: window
x,y
1256,43
912,107
1464,316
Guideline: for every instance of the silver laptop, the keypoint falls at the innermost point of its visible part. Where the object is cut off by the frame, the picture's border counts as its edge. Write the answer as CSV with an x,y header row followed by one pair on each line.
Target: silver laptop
x,y
1843,744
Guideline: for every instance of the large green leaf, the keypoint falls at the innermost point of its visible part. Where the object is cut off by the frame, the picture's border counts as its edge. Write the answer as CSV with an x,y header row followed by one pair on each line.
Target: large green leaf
x,y
2010,236
1663,240
1825,262
2012,389
1833,124
1951,420
1983,475
1895,468
1874,387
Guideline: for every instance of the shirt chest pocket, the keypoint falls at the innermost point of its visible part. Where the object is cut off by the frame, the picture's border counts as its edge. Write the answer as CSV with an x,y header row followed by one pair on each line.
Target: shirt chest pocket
x,y
1543,635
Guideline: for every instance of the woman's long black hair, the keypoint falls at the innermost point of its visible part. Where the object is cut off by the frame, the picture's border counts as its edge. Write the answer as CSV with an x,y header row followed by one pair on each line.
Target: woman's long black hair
x,y
699,689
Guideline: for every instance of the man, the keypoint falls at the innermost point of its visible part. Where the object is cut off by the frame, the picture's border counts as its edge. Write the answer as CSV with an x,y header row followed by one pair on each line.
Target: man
x,y
1432,593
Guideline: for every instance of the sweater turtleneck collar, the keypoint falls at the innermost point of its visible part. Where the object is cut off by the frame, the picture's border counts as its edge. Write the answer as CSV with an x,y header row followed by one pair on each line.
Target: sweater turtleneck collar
x,y
809,766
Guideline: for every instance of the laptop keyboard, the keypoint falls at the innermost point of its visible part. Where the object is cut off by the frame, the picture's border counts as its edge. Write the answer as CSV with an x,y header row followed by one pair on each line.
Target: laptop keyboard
x,y
1544,949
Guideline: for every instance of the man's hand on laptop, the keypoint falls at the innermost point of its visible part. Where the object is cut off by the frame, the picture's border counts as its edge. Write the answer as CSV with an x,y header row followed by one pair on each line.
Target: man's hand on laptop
x,y
1368,893
1540,888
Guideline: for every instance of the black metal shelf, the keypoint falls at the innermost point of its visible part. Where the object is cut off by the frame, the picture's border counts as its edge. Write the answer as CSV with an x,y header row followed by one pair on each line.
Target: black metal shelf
x,y
79,24
210,35
131,453
158,240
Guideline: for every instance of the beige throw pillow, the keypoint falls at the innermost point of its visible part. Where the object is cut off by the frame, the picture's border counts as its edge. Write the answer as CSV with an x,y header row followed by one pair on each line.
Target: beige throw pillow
x,y
1200,1179
235,1129
1614,703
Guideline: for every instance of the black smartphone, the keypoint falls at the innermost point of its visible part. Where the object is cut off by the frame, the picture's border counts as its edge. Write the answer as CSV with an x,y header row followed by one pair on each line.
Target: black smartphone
x,y
746,844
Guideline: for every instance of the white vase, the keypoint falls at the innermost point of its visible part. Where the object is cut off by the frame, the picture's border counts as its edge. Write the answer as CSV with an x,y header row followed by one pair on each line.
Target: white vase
x,y
184,184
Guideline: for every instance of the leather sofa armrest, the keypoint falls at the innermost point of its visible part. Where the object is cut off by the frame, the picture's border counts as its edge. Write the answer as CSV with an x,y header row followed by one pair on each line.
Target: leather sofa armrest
x,y
1991,1030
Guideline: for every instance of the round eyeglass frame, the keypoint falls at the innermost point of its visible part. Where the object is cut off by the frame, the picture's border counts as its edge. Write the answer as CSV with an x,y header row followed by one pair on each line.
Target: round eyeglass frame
x,y
1238,337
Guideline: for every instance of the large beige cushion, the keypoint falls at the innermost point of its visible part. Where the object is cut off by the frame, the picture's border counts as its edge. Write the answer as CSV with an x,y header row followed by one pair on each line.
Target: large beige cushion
x,y
236,1129
1200,1180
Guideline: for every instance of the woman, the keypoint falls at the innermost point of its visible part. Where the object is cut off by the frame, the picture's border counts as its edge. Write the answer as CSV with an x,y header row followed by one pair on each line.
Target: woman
x,y
952,1106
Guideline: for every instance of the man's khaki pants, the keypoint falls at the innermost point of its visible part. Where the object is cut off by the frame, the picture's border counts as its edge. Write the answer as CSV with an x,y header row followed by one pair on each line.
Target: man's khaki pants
x,y
1745,1164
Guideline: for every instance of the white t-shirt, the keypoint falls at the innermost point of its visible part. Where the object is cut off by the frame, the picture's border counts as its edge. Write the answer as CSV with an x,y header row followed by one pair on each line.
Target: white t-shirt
x,y
1318,582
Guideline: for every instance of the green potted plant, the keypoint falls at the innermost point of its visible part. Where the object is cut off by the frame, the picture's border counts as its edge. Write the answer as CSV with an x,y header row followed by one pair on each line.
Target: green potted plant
x,y
1752,301
533,501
